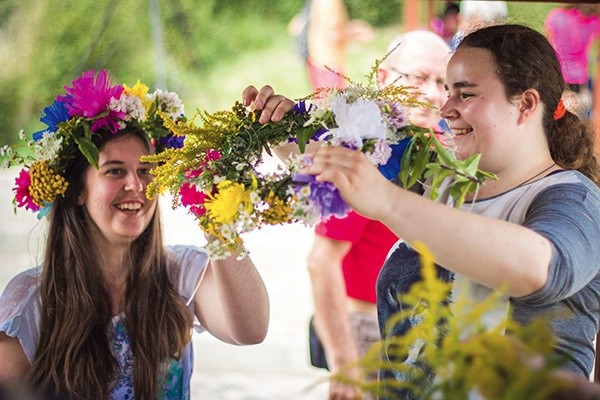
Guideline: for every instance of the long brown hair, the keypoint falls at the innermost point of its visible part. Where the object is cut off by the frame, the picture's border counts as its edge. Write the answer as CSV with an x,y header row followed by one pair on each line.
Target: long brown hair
x,y
525,59
73,358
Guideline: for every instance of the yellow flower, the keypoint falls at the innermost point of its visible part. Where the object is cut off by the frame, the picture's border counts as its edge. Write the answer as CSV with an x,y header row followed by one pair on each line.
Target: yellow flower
x,y
223,207
279,210
46,184
138,90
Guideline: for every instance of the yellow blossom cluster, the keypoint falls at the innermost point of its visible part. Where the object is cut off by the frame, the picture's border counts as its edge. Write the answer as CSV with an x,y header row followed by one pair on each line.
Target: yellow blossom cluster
x,y
225,205
46,184
279,210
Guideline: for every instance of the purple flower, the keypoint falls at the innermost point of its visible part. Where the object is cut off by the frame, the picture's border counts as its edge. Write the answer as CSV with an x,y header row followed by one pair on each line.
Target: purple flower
x,y
300,107
396,116
172,141
52,115
324,196
327,199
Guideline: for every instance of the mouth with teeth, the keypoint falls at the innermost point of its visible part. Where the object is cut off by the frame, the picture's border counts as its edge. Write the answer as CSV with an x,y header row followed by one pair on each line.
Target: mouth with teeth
x,y
463,131
129,206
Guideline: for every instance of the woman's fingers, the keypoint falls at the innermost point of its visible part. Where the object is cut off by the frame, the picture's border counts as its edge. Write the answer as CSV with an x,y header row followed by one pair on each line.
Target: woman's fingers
x,y
273,106
248,95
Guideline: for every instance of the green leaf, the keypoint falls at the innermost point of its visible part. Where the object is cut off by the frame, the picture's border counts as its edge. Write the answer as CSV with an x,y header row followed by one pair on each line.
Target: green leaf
x,y
88,149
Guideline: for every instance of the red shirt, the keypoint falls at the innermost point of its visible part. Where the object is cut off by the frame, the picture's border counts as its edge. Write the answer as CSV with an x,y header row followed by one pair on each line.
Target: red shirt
x,y
371,242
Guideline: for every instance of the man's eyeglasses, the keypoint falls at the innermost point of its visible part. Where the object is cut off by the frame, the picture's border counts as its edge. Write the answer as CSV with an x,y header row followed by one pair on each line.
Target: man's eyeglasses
x,y
419,80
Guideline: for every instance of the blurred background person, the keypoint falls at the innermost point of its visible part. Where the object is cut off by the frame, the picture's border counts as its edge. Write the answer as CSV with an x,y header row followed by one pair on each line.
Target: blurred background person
x,y
347,253
572,29
475,14
446,24
323,30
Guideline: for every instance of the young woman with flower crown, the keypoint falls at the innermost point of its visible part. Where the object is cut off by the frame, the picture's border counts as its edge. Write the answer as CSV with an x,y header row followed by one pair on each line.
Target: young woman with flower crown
x,y
534,233
109,313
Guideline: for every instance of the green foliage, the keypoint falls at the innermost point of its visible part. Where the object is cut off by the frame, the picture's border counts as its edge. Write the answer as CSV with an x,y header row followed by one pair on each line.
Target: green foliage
x,y
45,44
461,176
463,355
531,13
376,12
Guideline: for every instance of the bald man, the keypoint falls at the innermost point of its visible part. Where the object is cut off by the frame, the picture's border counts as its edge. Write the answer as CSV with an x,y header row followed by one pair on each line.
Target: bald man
x,y
347,254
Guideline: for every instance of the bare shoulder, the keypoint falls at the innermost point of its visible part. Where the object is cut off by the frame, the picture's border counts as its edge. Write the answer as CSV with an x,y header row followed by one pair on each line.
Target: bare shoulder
x,y
14,365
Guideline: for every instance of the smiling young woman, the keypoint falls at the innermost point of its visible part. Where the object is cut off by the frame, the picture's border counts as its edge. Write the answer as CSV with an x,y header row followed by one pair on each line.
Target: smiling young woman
x,y
109,312
533,233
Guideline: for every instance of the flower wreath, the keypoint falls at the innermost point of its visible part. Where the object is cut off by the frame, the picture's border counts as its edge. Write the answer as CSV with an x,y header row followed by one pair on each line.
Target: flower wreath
x,y
216,174
90,104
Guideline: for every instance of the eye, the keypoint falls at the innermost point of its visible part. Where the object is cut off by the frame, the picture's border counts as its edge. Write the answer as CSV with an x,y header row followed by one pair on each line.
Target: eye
x,y
419,79
465,95
144,171
115,171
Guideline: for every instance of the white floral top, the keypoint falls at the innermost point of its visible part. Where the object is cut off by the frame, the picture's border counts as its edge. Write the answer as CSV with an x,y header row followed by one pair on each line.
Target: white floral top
x,y
20,317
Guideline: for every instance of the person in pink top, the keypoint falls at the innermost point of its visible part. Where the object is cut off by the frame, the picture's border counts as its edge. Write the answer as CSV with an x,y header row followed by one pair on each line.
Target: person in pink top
x,y
571,30
347,254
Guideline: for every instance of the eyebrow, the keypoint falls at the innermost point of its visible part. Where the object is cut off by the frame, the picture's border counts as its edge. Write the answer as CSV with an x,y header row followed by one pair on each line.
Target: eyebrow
x,y
117,162
461,85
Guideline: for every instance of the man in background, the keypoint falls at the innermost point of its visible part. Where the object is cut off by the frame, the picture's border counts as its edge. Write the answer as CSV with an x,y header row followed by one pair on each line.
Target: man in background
x,y
348,253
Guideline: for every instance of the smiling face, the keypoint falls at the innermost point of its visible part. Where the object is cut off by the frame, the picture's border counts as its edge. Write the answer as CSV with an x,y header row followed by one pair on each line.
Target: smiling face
x,y
482,119
115,194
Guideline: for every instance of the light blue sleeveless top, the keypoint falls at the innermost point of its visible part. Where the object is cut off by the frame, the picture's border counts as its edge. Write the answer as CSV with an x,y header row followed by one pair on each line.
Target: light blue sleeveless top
x,y
20,318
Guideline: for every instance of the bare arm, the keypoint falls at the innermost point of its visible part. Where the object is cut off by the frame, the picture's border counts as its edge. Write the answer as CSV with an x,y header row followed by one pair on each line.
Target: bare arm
x,y
232,302
489,251
331,316
14,365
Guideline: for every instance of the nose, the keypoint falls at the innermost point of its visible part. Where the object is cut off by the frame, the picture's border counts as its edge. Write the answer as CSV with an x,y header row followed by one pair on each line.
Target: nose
x,y
133,183
448,111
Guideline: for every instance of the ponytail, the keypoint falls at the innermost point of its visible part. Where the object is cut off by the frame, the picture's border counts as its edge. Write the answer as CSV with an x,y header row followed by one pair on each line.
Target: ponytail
x,y
572,145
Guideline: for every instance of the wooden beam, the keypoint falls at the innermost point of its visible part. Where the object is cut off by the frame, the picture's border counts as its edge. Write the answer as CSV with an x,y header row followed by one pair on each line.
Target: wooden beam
x,y
411,15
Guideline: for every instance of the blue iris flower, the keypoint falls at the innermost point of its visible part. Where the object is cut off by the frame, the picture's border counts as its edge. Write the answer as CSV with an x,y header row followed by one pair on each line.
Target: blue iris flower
x,y
300,107
52,115
172,142
391,169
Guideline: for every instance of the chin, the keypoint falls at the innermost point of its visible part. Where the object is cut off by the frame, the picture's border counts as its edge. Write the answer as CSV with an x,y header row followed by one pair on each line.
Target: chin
x,y
462,154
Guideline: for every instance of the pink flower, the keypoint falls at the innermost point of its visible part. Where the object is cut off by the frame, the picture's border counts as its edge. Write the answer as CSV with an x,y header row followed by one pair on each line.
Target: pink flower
x,y
21,189
89,97
193,198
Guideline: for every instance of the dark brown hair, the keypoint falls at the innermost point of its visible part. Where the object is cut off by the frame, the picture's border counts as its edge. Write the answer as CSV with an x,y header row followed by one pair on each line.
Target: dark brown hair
x,y
526,60
73,358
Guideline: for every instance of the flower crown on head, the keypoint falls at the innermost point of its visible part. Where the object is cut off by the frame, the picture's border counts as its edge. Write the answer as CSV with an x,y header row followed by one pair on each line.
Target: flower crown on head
x,y
90,105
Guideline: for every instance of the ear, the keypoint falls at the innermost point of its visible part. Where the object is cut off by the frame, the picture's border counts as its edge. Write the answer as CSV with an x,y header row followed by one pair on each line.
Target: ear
x,y
529,104
382,76
81,198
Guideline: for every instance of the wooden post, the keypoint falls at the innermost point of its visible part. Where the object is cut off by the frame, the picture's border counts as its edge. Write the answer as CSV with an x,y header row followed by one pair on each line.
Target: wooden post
x,y
430,14
411,15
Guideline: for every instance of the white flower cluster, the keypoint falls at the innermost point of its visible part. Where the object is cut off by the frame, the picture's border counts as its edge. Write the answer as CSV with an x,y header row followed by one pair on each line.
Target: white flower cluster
x,y
361,122
169,103
48,147
130,105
